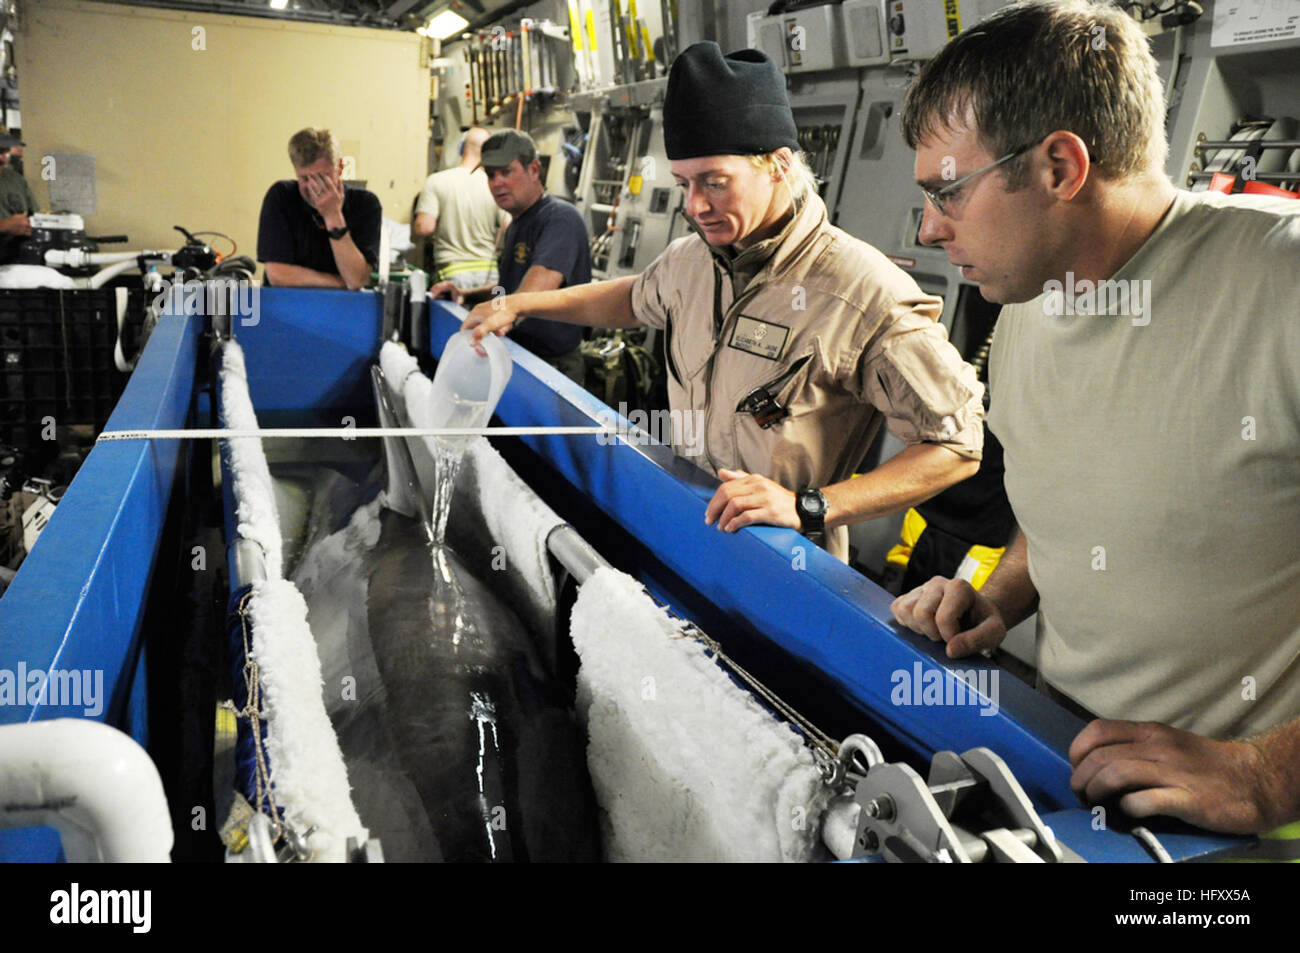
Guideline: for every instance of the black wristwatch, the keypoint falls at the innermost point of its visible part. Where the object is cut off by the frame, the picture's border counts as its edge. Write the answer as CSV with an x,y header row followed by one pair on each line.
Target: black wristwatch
x,y
336,233
811,506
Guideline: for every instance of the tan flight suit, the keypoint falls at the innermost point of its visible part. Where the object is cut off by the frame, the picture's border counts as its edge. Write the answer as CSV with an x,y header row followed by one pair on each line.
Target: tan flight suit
x,y
861,339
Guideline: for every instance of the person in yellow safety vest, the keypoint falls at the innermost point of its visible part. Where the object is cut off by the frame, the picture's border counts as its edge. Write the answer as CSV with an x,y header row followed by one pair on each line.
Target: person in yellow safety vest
x,y
1142,386
962,532
975,563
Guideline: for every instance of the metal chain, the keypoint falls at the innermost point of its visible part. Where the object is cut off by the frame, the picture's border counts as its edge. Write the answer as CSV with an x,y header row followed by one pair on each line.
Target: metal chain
x,y
823,744
252,713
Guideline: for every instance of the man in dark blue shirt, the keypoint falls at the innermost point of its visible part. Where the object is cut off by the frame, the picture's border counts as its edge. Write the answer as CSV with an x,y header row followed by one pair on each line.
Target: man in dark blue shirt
x,y
546,247
314,233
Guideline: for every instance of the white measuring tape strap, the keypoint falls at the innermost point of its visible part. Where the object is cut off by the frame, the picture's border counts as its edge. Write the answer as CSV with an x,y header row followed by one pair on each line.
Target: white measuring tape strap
x,y
350,433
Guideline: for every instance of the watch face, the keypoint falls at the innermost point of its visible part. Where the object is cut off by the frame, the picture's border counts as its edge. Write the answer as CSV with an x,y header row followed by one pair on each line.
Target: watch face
x,y
813,503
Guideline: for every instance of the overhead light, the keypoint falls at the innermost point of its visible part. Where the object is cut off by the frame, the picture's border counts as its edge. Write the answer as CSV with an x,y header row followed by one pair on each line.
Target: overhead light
x,y
446,24
422,31
279,4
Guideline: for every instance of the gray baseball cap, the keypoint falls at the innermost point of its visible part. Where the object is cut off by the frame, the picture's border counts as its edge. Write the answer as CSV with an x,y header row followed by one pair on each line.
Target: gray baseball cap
x,y
506,146
8,140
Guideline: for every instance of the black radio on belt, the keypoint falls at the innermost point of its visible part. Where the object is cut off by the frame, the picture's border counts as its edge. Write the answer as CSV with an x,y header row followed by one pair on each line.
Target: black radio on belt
x,y
763,405
766,411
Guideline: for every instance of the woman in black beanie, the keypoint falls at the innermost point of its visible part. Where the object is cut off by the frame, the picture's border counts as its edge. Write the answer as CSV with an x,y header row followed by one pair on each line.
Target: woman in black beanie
x,y
789,341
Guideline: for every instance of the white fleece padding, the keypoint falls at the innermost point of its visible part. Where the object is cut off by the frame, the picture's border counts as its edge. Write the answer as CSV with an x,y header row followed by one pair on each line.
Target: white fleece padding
x,y
307,769
687,766
412,394
311,781
396,363
516,518
417,395
253,490
402,376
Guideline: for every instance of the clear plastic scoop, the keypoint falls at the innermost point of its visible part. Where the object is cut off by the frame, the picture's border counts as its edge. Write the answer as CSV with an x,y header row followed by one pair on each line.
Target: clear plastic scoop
x,y
469,381
466,387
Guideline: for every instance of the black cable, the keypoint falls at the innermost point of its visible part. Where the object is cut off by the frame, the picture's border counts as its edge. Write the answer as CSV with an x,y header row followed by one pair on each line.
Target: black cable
x,y
234,247
237,265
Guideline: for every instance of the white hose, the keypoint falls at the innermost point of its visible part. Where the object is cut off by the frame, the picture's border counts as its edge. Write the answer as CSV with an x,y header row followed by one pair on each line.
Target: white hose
x,y
105,275
91,783
121,299
78,257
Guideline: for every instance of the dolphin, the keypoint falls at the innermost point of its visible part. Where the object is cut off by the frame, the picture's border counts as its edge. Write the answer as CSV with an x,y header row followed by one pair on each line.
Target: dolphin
x,y
459,745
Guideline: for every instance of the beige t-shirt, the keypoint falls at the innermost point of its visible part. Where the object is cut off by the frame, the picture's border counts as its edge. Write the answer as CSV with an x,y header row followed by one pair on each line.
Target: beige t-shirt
x,y
468,217
1153,463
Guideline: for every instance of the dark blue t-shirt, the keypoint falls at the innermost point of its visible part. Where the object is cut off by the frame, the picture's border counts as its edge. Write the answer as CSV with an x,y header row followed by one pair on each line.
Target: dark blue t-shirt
x,y
293,233
550,234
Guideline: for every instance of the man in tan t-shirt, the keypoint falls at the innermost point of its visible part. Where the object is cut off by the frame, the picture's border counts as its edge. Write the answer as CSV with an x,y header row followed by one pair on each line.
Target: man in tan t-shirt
x,y
456,208
1144,380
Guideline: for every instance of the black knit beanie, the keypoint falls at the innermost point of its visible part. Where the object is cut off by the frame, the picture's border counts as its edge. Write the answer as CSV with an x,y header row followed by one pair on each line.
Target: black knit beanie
x,y
726,105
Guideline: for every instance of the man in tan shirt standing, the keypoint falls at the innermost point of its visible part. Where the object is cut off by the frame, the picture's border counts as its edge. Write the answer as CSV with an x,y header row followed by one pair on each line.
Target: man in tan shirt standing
x,y
787,339
457,210
1145,376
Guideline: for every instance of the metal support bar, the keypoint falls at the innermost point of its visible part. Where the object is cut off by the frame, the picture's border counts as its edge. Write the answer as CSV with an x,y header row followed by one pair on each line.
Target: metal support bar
x,y
1211,144
249,561
574,553
1257,176
396,450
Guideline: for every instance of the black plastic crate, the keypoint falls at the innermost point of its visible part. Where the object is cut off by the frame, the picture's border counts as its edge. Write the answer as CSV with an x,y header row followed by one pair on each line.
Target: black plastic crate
x,y
56,357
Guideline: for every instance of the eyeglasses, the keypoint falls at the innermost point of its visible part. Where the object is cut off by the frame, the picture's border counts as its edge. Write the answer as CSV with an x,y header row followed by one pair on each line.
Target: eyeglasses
x,y
940,198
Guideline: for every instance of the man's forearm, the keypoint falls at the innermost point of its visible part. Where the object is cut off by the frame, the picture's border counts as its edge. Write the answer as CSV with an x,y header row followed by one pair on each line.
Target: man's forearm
x,y
1009,586
424,225
352,265
16,224
283,275
606,304
1280,773
909,478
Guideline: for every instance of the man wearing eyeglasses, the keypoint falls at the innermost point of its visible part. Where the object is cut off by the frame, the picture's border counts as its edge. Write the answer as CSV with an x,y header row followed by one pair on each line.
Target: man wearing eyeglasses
x,y
790,341
1145,384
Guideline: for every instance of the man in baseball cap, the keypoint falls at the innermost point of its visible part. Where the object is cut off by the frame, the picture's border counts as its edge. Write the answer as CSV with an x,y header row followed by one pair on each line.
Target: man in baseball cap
x,y
15,153
545,247
503,148
790,341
